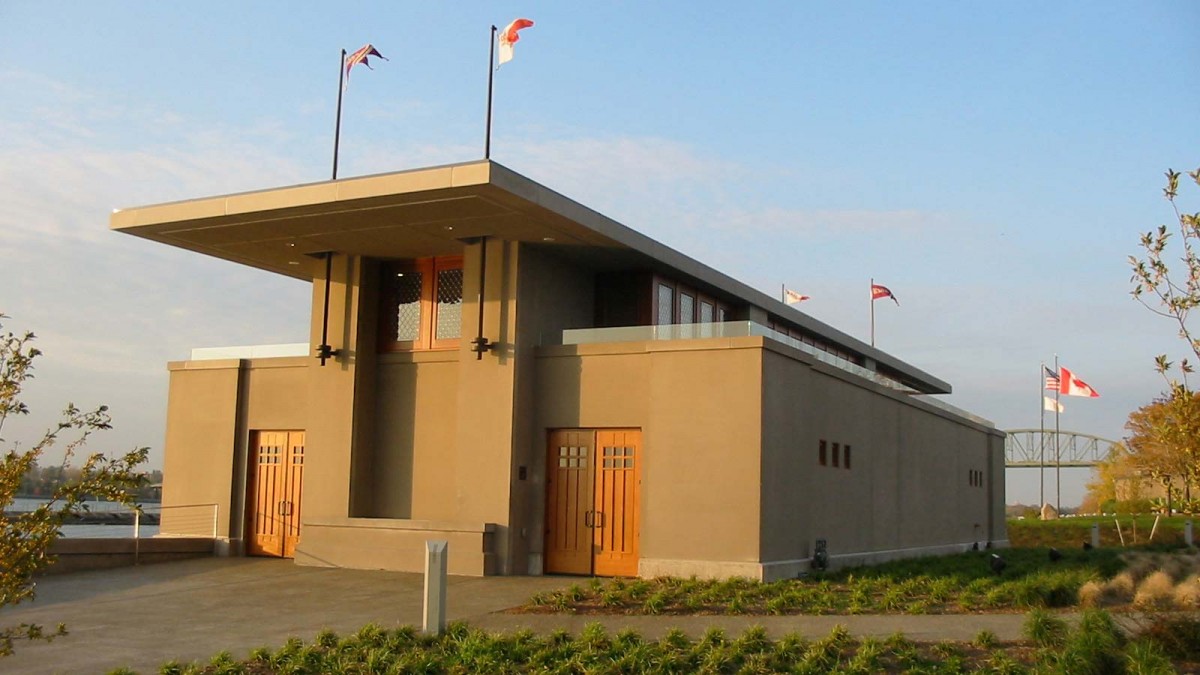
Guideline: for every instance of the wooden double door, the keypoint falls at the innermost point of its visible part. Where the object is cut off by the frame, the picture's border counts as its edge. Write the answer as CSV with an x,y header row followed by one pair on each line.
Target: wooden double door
x,y
273,492
593,480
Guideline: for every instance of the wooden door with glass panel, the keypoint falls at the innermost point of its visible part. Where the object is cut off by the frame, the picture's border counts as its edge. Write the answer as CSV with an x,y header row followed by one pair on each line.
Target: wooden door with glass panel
x,y
273,492
593,478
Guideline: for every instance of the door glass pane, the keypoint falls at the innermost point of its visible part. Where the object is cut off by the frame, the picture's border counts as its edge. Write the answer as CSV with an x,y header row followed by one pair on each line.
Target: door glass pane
x,y
706,312
666,305
449,303
406,290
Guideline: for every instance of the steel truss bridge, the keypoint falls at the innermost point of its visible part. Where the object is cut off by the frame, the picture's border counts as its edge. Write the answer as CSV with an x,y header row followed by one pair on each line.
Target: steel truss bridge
x,y
1024,447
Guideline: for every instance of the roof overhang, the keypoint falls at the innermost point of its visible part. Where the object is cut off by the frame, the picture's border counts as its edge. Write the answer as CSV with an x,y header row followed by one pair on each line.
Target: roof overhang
x,y
432,212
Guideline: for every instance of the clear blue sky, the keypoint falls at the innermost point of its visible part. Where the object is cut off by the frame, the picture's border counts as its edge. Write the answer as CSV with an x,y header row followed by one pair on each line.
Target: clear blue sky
x,y
993,164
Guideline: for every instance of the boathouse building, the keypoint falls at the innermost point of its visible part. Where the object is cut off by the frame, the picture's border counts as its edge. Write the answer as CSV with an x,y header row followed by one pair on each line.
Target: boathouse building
x,y
495,365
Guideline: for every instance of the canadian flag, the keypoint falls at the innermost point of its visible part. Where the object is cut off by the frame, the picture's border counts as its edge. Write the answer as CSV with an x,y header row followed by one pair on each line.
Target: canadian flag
x,y
509,36
1069,385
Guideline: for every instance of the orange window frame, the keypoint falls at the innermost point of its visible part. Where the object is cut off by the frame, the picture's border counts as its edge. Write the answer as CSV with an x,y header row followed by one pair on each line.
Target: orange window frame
x,y
429,268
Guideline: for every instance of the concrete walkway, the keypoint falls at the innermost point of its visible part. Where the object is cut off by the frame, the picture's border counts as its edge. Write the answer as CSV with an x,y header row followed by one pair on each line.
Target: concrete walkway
x,y
185,611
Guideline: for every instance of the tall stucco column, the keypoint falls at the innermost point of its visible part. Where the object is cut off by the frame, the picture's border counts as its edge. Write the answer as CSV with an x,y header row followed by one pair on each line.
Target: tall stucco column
x,y
337,452
484,437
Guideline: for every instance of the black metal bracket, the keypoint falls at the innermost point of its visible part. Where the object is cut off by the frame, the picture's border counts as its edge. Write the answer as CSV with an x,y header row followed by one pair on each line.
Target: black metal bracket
x,y
481,345
324,350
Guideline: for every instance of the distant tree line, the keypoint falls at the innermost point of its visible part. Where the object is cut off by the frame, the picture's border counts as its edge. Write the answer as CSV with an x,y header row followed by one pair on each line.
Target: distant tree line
x,y
40,482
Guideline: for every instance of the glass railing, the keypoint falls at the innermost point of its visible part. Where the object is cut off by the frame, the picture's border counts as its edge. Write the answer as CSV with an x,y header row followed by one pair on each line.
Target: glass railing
x,y
732,329
251,352
727,329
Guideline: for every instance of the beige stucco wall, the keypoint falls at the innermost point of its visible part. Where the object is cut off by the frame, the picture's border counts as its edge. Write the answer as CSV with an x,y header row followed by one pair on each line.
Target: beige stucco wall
x,y
908,489
212,408
697,403
415,434
201,441
731,479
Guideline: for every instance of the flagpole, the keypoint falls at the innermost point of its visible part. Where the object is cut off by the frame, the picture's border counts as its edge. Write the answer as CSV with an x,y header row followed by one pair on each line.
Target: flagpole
x,y
871,294
1057,449
337,127
1042,436
783,293
487,139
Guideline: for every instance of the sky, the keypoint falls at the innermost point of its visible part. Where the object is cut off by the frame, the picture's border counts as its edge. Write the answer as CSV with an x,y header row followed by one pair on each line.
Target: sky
x,y
993,164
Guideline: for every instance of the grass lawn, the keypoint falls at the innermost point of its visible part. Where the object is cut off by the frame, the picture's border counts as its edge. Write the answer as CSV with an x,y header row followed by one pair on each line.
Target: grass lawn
x,y
957,583
1067,533
1095,646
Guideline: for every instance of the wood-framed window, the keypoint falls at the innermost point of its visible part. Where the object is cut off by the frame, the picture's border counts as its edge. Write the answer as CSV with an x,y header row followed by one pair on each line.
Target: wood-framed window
x,y
421,304
676,303
687,306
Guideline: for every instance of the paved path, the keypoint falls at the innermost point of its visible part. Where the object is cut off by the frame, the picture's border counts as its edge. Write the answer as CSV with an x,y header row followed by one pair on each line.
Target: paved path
x,y
185,611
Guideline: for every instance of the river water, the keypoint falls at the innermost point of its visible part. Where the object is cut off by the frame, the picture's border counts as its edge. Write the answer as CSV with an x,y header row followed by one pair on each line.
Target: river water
x,y
24,504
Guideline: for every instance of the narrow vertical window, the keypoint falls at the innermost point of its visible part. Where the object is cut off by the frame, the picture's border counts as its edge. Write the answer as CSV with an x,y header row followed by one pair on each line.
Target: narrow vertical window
x,y
821,453
449,304
666,305
706,312
687,308
846,456
835,454
406,287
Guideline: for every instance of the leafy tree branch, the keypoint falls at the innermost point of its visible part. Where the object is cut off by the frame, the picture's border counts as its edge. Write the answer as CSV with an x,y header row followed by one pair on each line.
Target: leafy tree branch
x,y
26,538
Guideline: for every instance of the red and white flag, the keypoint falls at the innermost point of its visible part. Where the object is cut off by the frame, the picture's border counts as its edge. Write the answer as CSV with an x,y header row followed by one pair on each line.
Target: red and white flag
x,y
1073,386
878,292
360,56
793,298
509,36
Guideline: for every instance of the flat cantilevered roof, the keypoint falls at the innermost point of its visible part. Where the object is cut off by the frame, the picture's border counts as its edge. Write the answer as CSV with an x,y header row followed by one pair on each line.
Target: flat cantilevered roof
x,y
429,212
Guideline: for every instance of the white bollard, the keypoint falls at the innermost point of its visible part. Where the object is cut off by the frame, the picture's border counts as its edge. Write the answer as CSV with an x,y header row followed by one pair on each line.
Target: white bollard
x,y
435,587
1187,533
1095,535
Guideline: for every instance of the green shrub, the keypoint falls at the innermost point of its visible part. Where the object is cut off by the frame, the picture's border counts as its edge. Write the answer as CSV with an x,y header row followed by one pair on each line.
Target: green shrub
x,y
986,639
1044,629
1178,636
1147,658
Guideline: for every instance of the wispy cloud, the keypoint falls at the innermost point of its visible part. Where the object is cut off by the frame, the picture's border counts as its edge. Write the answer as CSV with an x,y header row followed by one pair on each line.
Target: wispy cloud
x,y
111,310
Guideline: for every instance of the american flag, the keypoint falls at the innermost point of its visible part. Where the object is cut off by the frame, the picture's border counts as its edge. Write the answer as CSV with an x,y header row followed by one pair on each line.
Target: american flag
x,y
360,56
1052,381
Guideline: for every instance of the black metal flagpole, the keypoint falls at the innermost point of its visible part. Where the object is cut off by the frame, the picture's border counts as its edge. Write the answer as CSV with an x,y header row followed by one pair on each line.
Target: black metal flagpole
x,y
1057,440
1042,436
872,295
337,127
487,139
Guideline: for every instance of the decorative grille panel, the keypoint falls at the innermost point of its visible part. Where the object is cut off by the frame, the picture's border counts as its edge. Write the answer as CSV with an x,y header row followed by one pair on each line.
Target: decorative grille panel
x,y
666,305
449,304
407,292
